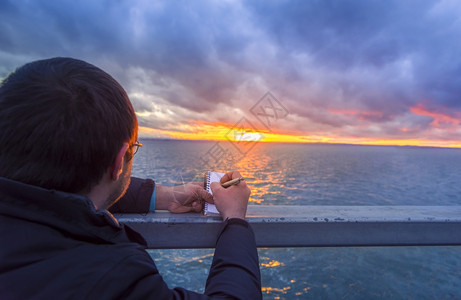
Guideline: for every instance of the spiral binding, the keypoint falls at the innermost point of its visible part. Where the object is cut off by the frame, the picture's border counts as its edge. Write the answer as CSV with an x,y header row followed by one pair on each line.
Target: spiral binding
x,y
207,187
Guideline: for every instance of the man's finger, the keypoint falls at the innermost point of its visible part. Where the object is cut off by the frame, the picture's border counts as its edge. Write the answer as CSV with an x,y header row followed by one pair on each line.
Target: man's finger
x,y
204,195
230,175
183,209
214,187
197,206
199,183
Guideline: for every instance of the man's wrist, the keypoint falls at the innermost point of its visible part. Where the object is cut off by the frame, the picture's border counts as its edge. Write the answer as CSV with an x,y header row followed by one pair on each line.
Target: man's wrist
x,y
164,195
235,214
237,221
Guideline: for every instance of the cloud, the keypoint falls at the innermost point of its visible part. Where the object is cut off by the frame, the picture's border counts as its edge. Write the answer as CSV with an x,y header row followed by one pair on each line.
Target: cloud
x,y
340,67
438,119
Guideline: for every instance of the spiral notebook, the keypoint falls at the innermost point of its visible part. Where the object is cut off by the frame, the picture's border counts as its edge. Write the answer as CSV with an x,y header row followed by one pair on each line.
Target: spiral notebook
x,y
210,209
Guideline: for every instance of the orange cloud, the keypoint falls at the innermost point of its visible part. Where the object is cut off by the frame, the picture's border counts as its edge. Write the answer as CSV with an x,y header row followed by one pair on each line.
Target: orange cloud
x,y
193,131
219,131
439,119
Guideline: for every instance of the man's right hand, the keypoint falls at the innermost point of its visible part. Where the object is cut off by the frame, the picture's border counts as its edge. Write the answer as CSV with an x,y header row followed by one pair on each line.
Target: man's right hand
x,y
231,202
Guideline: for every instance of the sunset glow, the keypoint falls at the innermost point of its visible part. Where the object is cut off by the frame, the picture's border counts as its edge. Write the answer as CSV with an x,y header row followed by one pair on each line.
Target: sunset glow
x,y
353,72
219,132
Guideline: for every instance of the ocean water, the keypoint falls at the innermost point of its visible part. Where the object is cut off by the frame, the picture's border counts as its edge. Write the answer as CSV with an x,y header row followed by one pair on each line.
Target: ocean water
x,y
304,174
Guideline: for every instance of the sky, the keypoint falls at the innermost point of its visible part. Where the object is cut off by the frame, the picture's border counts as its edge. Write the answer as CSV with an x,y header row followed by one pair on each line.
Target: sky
x,y
359,72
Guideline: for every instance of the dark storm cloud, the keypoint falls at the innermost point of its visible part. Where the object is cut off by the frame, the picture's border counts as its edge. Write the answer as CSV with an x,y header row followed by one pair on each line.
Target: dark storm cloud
x,y
373,35
334,64
175,40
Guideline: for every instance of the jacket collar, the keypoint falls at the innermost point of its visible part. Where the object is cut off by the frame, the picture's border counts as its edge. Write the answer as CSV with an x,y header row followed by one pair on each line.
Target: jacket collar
x,y
74,214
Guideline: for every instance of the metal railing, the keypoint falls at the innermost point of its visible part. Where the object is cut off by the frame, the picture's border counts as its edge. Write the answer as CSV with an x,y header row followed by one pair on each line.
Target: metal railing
x,y
309,226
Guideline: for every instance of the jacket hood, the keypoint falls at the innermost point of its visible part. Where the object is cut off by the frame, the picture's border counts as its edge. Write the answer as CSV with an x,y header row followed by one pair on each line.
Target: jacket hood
x,y
74,215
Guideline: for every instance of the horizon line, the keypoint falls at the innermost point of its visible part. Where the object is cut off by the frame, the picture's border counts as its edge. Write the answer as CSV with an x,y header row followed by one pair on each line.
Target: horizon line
x,y
306,142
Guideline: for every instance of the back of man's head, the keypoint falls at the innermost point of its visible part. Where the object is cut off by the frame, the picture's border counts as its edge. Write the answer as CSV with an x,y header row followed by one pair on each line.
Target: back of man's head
x,y
62,123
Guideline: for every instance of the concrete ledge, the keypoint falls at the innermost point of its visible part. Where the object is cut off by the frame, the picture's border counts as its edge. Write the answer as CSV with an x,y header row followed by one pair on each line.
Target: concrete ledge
x,y
309,226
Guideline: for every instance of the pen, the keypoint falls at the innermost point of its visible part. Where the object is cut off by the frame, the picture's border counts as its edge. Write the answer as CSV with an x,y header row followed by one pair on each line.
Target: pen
x,y
232,182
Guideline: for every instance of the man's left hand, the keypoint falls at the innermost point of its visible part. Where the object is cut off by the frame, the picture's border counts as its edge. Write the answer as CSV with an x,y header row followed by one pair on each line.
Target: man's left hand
x,y
189,197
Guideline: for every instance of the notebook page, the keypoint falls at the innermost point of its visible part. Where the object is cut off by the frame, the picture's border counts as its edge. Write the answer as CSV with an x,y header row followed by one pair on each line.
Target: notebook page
x,y
210,209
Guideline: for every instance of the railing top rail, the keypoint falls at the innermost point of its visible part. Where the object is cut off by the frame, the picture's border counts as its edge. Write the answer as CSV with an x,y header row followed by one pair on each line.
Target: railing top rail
x,y
306,226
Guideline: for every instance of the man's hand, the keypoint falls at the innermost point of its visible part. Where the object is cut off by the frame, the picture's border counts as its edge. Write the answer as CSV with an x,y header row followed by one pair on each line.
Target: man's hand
x,y
189,197
231,202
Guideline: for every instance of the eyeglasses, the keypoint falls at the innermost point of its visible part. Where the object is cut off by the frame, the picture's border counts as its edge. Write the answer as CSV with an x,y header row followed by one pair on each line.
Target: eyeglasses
x,y
136,147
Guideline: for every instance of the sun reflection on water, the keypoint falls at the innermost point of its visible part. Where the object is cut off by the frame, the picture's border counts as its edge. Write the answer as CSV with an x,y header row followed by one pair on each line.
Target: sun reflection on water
x,y
265,175
271,263
280,292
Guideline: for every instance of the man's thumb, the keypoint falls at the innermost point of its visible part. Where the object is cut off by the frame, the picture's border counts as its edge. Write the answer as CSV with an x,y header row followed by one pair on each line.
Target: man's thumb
x,y
203,194
215,186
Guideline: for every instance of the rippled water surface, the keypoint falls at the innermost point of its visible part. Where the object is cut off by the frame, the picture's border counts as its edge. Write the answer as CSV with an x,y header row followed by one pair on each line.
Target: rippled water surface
x,y
302,174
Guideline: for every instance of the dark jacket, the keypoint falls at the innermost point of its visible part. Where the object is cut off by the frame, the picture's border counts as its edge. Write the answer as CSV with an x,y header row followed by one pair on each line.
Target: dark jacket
x,y
54,245
136,198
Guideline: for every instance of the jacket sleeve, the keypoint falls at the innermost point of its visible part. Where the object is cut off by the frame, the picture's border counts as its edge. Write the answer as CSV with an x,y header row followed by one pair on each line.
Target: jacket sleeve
x,y
235,268
234,272
137,197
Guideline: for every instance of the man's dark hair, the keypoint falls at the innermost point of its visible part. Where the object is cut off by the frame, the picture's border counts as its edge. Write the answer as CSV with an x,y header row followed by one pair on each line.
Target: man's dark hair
x,y
62,123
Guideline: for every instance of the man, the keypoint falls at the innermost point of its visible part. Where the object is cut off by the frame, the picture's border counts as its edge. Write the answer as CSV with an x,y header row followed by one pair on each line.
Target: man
x,y
67,138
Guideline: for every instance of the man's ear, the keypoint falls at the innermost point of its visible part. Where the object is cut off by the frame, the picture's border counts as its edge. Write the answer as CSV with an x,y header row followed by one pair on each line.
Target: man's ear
x,y
117,166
